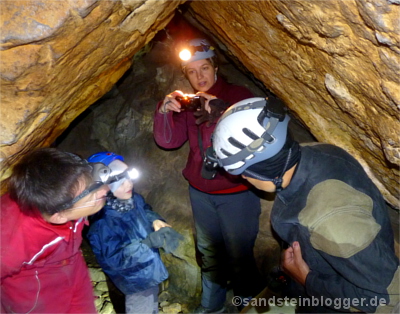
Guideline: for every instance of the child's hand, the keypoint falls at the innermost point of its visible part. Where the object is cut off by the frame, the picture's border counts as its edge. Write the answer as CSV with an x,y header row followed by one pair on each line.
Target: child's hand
x,y
158,224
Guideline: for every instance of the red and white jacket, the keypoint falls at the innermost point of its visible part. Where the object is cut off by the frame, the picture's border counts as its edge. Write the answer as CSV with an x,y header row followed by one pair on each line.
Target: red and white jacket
x,y
42,267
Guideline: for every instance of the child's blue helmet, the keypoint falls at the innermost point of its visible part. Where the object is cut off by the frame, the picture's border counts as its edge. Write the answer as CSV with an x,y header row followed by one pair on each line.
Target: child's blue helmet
x,y
115,164
105,157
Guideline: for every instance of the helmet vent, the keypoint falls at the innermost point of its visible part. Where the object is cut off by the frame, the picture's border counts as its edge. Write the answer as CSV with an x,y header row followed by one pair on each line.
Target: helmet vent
x,y
236,143
225,152
250,134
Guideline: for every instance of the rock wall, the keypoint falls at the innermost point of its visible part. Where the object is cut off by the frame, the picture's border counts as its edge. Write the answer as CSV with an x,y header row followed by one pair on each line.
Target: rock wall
x,y
335,63
58,57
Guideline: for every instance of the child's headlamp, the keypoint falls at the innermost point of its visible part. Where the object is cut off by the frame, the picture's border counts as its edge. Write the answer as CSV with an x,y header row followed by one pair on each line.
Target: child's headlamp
x,y
102,173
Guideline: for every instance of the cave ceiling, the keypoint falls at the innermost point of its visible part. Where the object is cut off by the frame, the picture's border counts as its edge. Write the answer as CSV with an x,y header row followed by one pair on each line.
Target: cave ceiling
x,y
334,63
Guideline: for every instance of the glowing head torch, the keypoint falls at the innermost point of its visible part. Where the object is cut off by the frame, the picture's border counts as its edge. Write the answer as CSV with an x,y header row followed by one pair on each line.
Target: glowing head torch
x,y
112,174
185,55
109,168
196,49
130,174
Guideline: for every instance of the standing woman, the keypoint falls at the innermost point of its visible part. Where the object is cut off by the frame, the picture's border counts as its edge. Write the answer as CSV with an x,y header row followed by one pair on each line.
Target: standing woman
x,y
226,212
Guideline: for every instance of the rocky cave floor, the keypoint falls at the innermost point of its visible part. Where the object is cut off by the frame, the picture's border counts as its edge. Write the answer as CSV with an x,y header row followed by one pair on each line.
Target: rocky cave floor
x,y
109,300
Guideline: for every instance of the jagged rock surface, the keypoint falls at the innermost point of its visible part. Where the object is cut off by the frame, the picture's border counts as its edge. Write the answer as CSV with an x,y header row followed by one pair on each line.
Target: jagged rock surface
x,y
59,57
335,63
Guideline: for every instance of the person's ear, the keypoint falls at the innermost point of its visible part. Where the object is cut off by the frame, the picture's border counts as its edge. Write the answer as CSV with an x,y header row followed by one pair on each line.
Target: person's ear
x,y
58,219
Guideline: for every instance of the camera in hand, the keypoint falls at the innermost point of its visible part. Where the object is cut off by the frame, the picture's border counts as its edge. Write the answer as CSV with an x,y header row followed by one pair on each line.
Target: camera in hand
x,y
189,102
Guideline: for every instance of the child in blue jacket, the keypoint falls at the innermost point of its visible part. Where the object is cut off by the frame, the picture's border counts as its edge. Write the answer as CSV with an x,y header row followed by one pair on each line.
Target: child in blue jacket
x,y
125,236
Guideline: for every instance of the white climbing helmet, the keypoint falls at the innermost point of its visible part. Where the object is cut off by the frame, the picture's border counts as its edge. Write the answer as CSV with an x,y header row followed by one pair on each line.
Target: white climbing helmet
x,y
250,131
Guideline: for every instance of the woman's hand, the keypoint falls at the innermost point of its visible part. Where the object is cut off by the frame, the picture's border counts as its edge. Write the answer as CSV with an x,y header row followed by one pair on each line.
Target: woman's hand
x,y
158,224
208,97
170,103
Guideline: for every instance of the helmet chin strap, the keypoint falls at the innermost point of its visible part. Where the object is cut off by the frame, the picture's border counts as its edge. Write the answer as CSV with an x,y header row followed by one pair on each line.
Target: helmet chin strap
x,y
277,181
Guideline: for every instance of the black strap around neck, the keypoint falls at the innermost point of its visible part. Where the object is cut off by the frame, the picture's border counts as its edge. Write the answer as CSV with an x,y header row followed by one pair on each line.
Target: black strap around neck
x,y
200,140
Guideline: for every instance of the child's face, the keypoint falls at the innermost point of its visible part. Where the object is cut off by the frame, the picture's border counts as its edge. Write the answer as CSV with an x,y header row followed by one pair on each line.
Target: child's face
x,y
124,191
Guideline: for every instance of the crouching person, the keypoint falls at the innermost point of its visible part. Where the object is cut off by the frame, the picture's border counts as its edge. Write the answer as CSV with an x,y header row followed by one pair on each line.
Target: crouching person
x,y
125,236
332,217
50,193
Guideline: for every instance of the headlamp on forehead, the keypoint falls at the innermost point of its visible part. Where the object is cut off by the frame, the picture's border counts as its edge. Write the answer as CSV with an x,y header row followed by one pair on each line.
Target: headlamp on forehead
x,y
196,49
130,173
190,51
185,55
102,173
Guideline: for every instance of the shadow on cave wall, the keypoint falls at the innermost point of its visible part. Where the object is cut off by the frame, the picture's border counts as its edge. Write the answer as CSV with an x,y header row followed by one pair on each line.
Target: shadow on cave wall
x,y
122,120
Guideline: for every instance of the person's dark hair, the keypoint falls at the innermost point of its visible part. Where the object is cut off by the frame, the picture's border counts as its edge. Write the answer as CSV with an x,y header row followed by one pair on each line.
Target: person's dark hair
x,y
46,178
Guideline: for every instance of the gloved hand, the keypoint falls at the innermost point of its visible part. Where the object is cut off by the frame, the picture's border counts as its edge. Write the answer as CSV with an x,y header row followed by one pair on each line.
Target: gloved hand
x,y
166,238
217,106
172,239
155,239
201,114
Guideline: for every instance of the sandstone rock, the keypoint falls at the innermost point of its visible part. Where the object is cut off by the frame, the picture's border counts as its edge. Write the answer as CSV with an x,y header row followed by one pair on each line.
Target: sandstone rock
x,y
107,308
102,286
164,303
164,296
97,275
335,63
58,57
172,308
